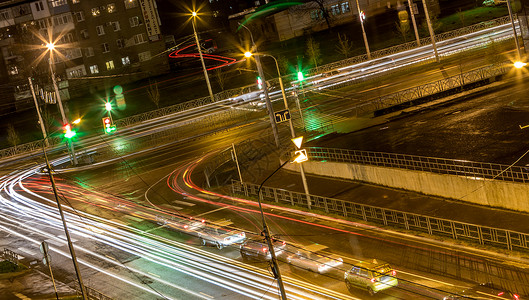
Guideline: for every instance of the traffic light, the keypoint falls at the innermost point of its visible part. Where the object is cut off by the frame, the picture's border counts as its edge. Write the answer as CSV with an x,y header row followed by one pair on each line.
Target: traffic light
x,y
259,82
108,126
300,76
68,132
108,106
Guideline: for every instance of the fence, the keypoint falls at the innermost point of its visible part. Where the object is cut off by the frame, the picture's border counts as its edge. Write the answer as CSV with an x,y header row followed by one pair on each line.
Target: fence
x,y
388,217
457,167
10,256
92,294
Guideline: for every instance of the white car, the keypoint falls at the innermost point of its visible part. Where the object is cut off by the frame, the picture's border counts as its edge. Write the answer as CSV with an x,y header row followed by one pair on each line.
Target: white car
x,y
220,235
313,259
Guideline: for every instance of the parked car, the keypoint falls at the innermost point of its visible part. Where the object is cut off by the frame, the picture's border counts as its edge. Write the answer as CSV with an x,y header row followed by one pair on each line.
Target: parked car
x,y
484,291
373,275
314,259
219,234
258,249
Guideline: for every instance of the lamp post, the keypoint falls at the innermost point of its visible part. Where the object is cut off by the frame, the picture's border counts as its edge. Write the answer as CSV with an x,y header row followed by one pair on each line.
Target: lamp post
x,y
362,17
519,52
412,12
265,89
51,48
430,29
292,131
194,14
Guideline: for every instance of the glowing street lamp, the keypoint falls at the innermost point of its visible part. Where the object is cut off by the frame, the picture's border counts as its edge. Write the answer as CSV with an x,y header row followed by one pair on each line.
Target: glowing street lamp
x,y
194,14
519,64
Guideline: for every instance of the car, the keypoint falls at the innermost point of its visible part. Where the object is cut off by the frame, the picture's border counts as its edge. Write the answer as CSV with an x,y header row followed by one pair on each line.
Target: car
x,y
314,259
373,275
258,249
180,223
219,234
484,291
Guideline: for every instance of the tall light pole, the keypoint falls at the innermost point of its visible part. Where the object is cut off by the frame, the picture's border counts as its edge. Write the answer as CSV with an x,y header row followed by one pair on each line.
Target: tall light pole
x,y
201,57
412,12
361,15
514,31
51,48
42,127
292,131
430,29
265,89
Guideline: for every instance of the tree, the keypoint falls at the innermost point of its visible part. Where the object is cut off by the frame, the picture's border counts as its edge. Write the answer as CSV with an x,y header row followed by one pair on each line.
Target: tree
x,y
313,51
403,28
220,77
317,9
344,46
461,16
154,93
12,135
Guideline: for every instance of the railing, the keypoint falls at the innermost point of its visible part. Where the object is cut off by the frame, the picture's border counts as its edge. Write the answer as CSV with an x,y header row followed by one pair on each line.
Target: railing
x,y
469,169
27,147
388,217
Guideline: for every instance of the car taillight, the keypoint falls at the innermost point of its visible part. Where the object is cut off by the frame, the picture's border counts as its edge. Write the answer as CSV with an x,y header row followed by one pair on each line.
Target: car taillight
x,y
284,243
500,293
373,280
185,226
394,273
516,297
203,221
265,249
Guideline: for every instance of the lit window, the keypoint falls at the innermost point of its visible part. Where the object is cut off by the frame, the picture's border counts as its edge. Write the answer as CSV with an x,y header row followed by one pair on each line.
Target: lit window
x,y
125,61
131,3
76,1
111,8
57,3
94,69
115,26
143,56
110,64
105,47
335,9
314,15
139,39
100,30
96,12
345,7
134,21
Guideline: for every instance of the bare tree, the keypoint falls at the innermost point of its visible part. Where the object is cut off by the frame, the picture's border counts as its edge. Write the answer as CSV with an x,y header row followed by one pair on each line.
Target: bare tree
x,y
12,135
461,16
403,28
344,46
313,51
220,77
317,9
154,93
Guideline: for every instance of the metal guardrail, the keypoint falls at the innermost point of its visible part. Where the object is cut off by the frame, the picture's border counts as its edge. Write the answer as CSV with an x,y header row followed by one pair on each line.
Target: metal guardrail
x,y
388,217
468,169
27,147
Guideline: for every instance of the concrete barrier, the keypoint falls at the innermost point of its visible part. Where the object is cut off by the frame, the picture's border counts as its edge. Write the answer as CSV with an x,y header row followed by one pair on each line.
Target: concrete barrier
x,y
493,193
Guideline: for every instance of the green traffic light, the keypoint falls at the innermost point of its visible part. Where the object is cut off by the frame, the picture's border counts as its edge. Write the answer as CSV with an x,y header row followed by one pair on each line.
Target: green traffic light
x,y
300,76
70,134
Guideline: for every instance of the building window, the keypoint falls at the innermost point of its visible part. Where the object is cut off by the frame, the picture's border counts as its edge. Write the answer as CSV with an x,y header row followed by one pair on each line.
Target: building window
x,y
57,3
115,26
111,8
105,47
125,61
88,52
143,56
67,38
316,14
39,6
96,12
335,9
131,3
84,34
4,15
345,7
110,64
94,69
76,1
100,30
45,23
134,21
139,39
79,15
119,43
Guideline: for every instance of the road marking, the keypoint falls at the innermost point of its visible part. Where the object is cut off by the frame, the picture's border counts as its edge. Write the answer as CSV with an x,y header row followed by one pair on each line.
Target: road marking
x,y
211,211
426,278
56,242
135,219
110,257
211,297
28,251
184,203
156,275
171,206
23,297
63,237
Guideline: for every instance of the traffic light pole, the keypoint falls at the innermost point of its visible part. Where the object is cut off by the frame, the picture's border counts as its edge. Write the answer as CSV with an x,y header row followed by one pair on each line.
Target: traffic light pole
x,y
265,87
61,109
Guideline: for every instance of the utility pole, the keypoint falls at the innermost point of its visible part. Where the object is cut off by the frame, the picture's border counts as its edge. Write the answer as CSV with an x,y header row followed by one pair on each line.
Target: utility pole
x,y
42,127
361,17
202,58
432,34
412,12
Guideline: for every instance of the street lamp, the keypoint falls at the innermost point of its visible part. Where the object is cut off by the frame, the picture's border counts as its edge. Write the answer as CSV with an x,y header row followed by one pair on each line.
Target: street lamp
x,y
430,29
519,52
292,131
265,90
194,14
362,17
51,48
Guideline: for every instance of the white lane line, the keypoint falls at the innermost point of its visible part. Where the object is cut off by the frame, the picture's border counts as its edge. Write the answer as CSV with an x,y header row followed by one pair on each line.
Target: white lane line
x,y
211,297
28,251
56,242
63,237
427,278
211,211
183,203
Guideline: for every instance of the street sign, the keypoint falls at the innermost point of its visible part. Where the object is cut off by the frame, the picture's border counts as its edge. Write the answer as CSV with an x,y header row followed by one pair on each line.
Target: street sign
x,y
282,115
300,155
